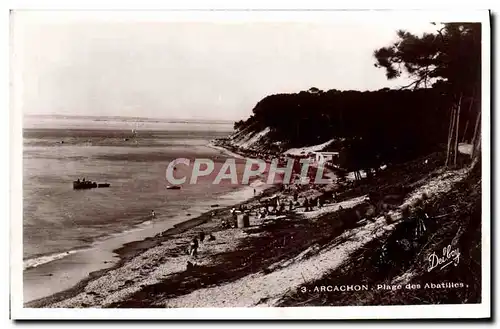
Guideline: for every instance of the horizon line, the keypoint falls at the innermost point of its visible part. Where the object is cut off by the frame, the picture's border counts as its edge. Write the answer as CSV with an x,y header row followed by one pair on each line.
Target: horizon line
x,y
126,117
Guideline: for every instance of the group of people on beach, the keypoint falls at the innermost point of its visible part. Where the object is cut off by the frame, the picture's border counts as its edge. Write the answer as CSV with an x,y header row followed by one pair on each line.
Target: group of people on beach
x,y
309,203
279,204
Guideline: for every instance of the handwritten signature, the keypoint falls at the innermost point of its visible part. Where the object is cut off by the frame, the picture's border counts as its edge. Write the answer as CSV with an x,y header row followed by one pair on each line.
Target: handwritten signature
x,y
449,256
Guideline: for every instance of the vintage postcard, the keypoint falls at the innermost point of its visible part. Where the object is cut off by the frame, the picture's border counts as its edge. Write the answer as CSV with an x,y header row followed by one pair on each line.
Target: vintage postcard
x,y
250,164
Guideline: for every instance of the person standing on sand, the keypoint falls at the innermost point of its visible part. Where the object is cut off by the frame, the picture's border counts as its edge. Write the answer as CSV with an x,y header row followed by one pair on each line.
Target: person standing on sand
x,y
234,216
153,214
193,247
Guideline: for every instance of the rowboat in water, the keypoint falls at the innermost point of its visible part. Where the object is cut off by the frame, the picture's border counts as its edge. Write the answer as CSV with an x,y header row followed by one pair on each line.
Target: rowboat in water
x,y
173,187
83,185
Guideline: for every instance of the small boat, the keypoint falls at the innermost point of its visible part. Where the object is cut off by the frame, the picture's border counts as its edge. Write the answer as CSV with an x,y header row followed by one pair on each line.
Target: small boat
x,y
173,187
85,185
82,185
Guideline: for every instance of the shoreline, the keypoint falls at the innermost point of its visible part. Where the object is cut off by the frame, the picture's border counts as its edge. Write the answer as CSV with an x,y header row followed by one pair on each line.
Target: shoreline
x,y
225,150
131,249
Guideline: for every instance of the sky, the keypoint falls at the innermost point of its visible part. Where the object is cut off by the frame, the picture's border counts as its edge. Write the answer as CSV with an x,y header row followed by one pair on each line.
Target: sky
x,y
188,69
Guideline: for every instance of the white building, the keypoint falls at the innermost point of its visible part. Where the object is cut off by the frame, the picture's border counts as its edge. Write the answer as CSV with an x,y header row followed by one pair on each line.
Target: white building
x,y
323,157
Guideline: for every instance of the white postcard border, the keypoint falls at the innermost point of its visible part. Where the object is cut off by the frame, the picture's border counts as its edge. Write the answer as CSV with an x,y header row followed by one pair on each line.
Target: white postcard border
x,y
344,312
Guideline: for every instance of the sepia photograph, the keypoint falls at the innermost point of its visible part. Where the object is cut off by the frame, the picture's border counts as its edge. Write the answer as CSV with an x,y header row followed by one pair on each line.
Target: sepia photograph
x,y
284,164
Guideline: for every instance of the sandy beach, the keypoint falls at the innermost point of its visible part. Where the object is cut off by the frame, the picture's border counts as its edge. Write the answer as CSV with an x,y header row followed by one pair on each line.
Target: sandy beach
x,y
64,276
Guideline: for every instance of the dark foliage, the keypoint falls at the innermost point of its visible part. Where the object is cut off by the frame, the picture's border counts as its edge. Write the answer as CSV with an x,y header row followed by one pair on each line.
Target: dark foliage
x,y
450,58
387,126
375,126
